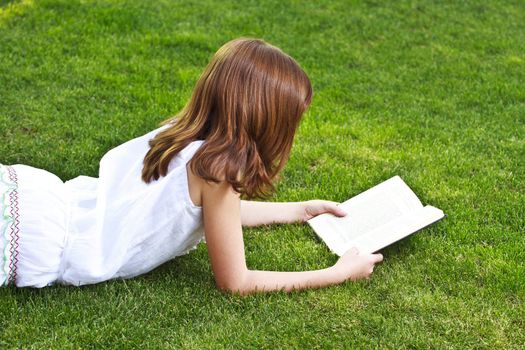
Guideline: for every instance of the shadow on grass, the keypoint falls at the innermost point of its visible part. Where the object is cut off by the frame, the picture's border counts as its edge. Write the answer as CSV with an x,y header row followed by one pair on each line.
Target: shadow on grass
x,y
4,3
190,271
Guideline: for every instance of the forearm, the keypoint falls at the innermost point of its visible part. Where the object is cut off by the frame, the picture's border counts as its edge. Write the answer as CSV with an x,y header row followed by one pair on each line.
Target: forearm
x,y
264,213
267,281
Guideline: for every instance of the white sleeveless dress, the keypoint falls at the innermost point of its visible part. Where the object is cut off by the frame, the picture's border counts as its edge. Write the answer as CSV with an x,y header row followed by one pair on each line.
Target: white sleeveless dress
x,y
88,230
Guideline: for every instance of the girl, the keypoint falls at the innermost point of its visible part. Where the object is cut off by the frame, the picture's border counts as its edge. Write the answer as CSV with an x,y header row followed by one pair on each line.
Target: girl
x,y
159,195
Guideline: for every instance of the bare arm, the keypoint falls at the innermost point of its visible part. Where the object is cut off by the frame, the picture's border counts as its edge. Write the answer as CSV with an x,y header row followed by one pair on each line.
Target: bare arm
x,y
264,213
222,225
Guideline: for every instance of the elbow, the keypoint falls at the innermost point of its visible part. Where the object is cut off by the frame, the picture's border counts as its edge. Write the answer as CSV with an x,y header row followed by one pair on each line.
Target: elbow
x,y
233,285
232,290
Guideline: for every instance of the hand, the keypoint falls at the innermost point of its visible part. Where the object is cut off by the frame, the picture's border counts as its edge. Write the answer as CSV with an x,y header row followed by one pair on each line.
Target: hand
x,y
353,265
316,207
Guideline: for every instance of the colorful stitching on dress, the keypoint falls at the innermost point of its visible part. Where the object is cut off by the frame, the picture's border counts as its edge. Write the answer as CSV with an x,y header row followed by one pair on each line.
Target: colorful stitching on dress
x,y
15,229
10,212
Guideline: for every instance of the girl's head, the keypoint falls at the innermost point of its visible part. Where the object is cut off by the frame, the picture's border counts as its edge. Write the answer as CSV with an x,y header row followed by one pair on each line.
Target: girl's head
x,y
246,105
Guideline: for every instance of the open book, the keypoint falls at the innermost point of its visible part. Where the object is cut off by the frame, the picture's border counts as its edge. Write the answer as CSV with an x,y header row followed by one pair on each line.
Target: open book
x,y
375,218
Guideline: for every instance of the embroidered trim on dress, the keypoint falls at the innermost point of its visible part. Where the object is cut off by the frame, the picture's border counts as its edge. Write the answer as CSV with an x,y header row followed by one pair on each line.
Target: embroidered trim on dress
x,y
11,223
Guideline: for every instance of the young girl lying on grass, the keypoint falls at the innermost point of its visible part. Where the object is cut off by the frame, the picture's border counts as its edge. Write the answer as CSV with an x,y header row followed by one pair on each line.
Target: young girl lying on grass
x,y
159,195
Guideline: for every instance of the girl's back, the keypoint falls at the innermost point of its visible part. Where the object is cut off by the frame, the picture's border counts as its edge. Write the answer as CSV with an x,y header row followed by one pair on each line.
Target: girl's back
x,y
107,227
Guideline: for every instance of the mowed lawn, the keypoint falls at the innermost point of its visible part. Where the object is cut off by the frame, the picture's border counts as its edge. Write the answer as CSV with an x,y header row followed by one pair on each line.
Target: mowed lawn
x,y
432,92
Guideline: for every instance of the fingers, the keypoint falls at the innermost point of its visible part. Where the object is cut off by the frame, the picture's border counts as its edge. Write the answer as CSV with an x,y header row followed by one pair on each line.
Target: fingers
x,y
321,206
377,257
339,212
374,258
353,251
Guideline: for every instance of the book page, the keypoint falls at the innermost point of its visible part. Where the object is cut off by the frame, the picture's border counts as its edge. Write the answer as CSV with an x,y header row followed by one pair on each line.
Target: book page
x,y
366,212
394,190
395,230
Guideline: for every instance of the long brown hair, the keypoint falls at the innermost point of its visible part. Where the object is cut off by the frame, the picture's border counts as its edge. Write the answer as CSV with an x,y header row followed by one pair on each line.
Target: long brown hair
x,y
246,105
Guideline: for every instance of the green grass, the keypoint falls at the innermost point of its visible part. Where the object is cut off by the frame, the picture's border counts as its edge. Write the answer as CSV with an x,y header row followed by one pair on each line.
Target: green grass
x,y
432,92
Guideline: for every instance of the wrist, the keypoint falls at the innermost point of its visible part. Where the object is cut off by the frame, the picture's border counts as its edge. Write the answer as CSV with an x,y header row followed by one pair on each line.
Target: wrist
x,y
339,272
302,215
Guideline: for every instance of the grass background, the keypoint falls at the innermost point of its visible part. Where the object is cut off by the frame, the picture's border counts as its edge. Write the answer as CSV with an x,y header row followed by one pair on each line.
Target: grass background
x,y
431,91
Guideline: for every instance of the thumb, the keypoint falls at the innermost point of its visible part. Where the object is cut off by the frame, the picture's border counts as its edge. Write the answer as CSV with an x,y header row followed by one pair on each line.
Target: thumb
x,y
335,209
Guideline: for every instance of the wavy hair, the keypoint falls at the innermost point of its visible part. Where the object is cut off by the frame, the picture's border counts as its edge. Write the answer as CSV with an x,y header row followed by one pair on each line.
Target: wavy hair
x,y
246,105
